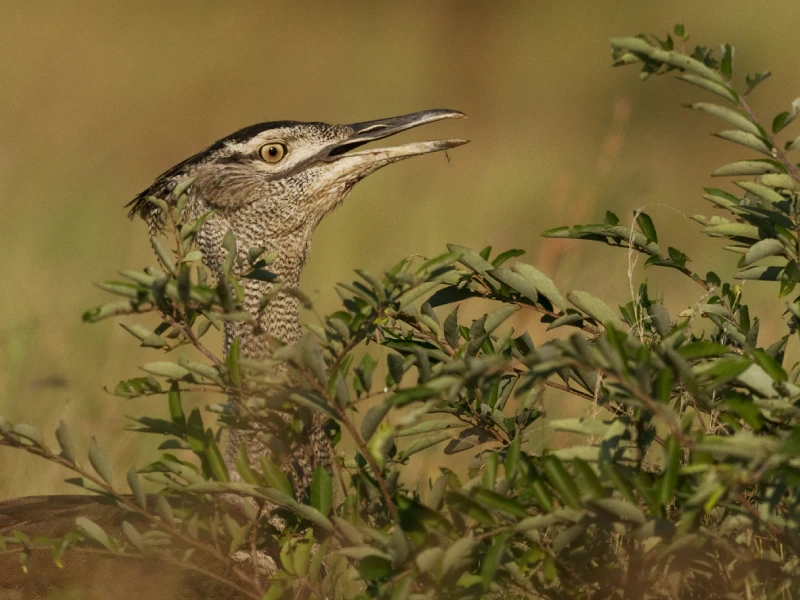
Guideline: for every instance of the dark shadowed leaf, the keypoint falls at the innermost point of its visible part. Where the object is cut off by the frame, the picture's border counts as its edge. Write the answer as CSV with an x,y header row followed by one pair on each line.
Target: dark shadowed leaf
x,y
646,225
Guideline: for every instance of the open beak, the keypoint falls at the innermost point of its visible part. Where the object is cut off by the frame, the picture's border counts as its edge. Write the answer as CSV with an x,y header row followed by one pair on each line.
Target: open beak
x,y
369,131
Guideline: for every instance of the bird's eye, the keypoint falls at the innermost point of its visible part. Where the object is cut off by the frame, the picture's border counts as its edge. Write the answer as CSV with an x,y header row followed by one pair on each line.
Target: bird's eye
x,y
273,152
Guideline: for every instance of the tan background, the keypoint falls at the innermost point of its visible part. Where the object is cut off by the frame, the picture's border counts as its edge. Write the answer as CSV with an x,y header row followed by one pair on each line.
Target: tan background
x,y
97,98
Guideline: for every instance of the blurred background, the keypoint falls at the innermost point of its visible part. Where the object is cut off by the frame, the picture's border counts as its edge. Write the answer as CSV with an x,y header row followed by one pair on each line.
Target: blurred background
x,y
98,98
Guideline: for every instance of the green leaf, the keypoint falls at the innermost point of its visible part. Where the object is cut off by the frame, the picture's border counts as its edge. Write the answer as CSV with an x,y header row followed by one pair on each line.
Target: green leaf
x,y
595,308
105,311
176,408
746,139
364,371
182,186
321,491
137,386
497,502
561,481
373,568
753,80
164,510
471,259
64,439
373,419
542,283
423,444
493,558
726,64
164,255
362,552
760,273
784,118
738,119
770,365
659,317
137,489
243,467
165,369
214,457
765,192
516,282
702,349
147,337
581,425
377,286
669,476
715,88
792,144
724,369
275,478
504,256
432,266
762,249
396,367
496,318
193,256
672,58
591,483
100,461
201,369
133,536
512,459
456,553
567,537
646,225
430,560
733,230
749,168
621,509
305,511
427,427
93,531
403,397
450,328
195,434
232,362
789,278
572,317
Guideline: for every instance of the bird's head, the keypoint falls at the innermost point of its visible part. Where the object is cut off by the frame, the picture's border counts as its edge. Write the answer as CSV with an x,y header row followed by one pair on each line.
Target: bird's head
x,y
277,180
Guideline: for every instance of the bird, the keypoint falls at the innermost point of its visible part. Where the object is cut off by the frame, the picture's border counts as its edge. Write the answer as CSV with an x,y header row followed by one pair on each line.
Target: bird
x,y
269,185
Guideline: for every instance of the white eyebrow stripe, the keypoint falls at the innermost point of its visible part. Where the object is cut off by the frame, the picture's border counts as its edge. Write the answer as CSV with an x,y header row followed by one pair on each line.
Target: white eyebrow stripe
x,y
372,128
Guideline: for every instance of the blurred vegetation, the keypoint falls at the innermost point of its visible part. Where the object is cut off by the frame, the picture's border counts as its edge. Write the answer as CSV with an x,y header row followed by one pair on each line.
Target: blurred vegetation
x,y
685,483
97,99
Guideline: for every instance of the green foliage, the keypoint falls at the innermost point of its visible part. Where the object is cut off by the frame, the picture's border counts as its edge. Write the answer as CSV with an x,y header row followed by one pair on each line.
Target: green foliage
x,y
686,484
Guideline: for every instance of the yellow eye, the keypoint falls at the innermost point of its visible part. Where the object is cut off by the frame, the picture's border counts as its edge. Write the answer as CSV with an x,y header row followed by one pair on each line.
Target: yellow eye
x,y
273,152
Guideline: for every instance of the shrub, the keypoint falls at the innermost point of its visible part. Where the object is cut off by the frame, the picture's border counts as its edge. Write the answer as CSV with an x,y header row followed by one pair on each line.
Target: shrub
x,y
686,485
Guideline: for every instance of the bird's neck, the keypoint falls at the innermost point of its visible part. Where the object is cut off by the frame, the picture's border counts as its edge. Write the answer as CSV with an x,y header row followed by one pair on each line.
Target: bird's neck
x,y
279,320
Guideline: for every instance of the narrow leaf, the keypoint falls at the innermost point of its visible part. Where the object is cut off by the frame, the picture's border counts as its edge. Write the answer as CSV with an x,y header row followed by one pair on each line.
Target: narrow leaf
x,y
100,462
736,118
321,490
65,442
